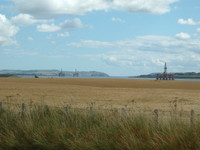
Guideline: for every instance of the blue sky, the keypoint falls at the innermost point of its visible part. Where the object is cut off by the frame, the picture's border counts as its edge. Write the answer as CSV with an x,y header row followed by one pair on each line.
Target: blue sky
x,y
118,37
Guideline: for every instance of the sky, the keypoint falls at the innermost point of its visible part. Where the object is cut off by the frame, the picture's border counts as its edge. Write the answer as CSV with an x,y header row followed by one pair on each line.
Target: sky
x,y
118,37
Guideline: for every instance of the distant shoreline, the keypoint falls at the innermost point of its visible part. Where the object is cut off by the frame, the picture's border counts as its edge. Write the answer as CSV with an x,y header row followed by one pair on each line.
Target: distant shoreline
x,y
98,77
51,73
155,77
186,75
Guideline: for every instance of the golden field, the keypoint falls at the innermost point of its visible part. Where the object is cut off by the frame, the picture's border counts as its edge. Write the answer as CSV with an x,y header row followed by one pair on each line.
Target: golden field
x,y
104,93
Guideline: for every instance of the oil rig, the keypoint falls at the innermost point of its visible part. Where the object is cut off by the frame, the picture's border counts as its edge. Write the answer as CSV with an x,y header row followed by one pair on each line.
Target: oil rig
x,y
61,73
165,75
75,74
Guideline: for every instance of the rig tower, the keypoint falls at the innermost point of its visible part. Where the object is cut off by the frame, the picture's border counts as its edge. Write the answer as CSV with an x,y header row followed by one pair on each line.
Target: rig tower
x,y
165,69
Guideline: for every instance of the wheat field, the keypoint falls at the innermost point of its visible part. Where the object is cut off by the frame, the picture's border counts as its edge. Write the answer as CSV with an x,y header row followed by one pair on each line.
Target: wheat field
x,y
105,93
175,126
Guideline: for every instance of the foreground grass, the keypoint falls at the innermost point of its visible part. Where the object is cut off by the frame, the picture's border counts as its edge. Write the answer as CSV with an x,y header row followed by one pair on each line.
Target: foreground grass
x,y
44,128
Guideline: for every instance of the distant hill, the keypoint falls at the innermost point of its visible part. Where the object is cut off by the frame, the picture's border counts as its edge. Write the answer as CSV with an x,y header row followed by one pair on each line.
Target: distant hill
x,y
51,73
178,75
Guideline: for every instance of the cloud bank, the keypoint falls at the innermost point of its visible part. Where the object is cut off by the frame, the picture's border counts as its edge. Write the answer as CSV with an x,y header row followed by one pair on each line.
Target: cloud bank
x,y
46,8
152,50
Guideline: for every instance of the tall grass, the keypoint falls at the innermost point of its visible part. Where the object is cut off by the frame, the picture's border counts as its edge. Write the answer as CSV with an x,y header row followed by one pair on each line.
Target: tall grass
x,y
53,128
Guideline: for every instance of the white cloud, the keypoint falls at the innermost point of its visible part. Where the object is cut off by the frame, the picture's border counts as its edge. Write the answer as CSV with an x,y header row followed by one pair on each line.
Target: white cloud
x,y
198,29
189,21
66,34
143,43
46,8
66,25
25,20
147,6
183,36
146,52
30,38
71,24
48,28
151,62
7,31
118,20
91,44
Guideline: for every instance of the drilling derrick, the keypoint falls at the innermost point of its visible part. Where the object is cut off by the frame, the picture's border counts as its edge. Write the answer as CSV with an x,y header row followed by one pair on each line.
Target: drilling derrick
x,y
165,69
61,74
165,75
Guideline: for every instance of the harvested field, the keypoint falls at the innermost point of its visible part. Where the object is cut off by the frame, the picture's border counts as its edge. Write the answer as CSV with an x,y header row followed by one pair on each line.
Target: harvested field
x,y
106,93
